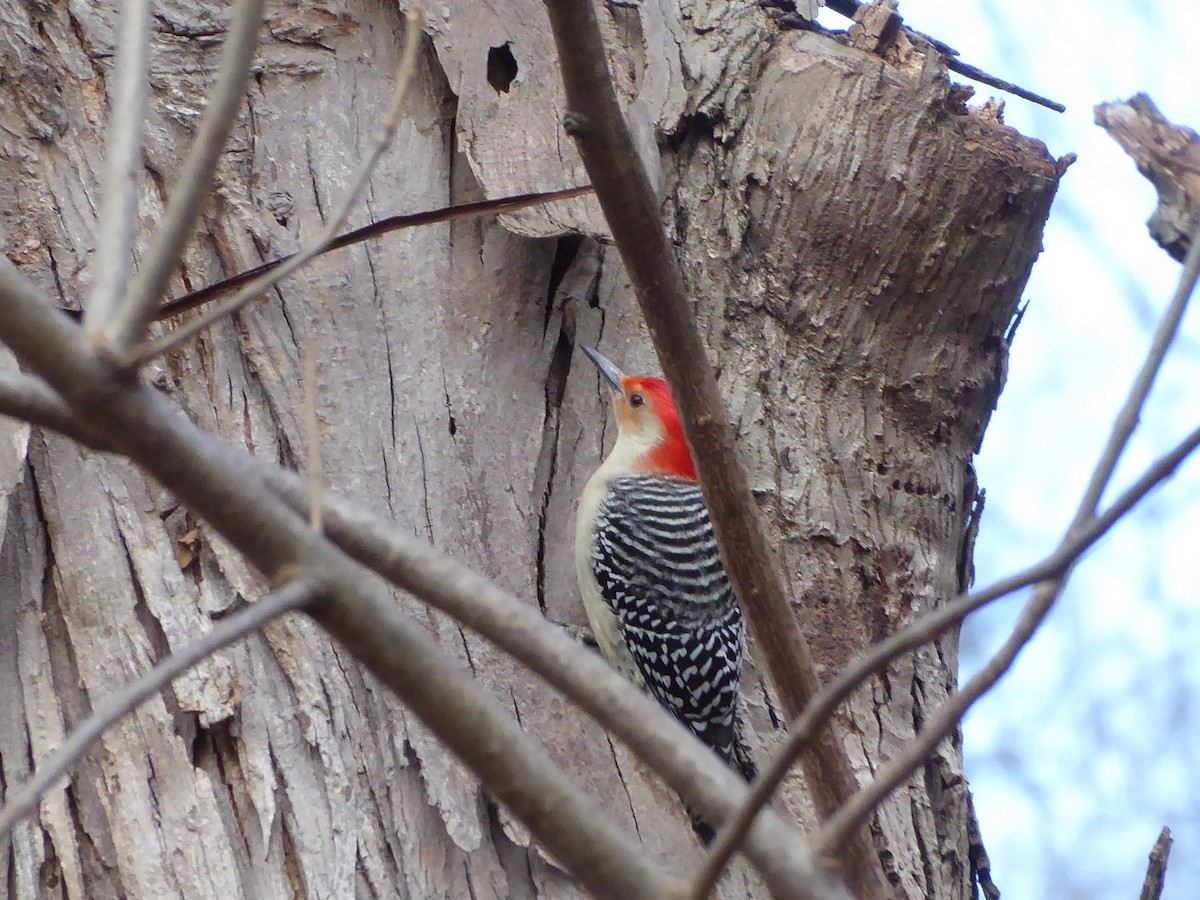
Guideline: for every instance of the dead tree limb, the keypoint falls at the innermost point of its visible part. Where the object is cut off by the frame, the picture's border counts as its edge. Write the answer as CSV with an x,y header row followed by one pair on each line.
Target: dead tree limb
x,y
1169,156
1156,869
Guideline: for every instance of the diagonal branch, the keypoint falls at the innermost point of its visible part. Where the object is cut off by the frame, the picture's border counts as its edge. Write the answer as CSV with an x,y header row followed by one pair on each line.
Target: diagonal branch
x,y
237,626
134,314
946,719
634,215
977,74
1131,411
391,121
123,165
474,209
501,205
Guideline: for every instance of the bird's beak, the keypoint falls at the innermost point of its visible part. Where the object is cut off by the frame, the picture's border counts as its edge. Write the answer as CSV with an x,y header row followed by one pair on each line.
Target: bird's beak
x,y
610,372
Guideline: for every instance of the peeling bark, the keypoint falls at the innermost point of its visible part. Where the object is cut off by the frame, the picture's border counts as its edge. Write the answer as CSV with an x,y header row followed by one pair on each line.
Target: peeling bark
x,y
856,241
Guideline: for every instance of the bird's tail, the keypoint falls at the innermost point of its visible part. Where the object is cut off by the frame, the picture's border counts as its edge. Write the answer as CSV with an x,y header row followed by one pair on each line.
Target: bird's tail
x,y
739,759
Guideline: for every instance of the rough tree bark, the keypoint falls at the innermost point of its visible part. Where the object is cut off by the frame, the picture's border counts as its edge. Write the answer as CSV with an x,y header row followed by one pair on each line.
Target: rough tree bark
x,y
856,239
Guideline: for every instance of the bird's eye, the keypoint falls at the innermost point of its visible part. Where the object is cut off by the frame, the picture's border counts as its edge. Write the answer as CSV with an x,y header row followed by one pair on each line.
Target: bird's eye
x,y
636,400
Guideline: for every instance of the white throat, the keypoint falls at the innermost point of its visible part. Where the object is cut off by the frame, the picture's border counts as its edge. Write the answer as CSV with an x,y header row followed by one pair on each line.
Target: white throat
x,y
631,447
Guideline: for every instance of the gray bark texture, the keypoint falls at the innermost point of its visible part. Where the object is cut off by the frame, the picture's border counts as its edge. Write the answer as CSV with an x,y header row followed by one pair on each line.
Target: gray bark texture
x,y
856,240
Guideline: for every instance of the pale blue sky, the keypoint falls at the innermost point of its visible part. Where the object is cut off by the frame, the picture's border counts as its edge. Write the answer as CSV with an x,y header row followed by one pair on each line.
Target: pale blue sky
x,y
1090,745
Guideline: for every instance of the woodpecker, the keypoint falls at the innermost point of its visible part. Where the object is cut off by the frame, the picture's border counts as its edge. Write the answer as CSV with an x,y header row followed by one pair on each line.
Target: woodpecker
x,y
660,605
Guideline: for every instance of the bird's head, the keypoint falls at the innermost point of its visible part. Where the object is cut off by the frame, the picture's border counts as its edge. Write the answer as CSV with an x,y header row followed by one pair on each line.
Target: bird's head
x,y
649,437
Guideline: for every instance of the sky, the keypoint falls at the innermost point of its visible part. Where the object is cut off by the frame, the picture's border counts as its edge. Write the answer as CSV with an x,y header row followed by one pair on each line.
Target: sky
x,y
1091,743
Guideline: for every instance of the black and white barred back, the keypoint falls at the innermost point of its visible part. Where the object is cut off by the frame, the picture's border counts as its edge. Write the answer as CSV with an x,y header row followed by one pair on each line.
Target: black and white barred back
x,y
659,569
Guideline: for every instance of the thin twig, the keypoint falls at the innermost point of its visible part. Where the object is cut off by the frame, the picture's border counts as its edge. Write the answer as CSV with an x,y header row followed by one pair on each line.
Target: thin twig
x,y
475,209
500,206
900,768
1156,869
391,122
634,215
133,316
117,221
849,819
476,603
77,745
1131,412
850,8
922,631
977,74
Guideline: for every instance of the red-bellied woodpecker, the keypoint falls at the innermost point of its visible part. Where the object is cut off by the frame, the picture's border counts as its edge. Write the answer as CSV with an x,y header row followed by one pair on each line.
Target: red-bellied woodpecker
x,y
656,593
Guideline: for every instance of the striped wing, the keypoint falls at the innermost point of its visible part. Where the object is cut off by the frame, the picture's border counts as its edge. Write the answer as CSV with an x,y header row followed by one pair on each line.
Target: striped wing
x,y
659,569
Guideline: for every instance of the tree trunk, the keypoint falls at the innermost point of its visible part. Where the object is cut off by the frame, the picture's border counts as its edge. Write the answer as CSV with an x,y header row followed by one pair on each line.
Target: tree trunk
x,y
856,240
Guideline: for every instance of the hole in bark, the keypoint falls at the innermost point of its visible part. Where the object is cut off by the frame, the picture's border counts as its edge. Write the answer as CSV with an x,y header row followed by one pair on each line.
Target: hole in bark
x,y
450,414
565,251
564,254
501,68
187,726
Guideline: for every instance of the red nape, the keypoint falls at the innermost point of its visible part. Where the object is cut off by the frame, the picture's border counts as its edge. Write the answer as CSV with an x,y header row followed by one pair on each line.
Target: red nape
x,y
672,456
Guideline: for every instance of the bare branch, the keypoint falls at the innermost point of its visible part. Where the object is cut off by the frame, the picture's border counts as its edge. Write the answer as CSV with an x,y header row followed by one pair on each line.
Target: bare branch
x,y
634,215
233,628
1131,412
219,485
123,165
391,121
1156,870
946,719
470,599
925,629
136,311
